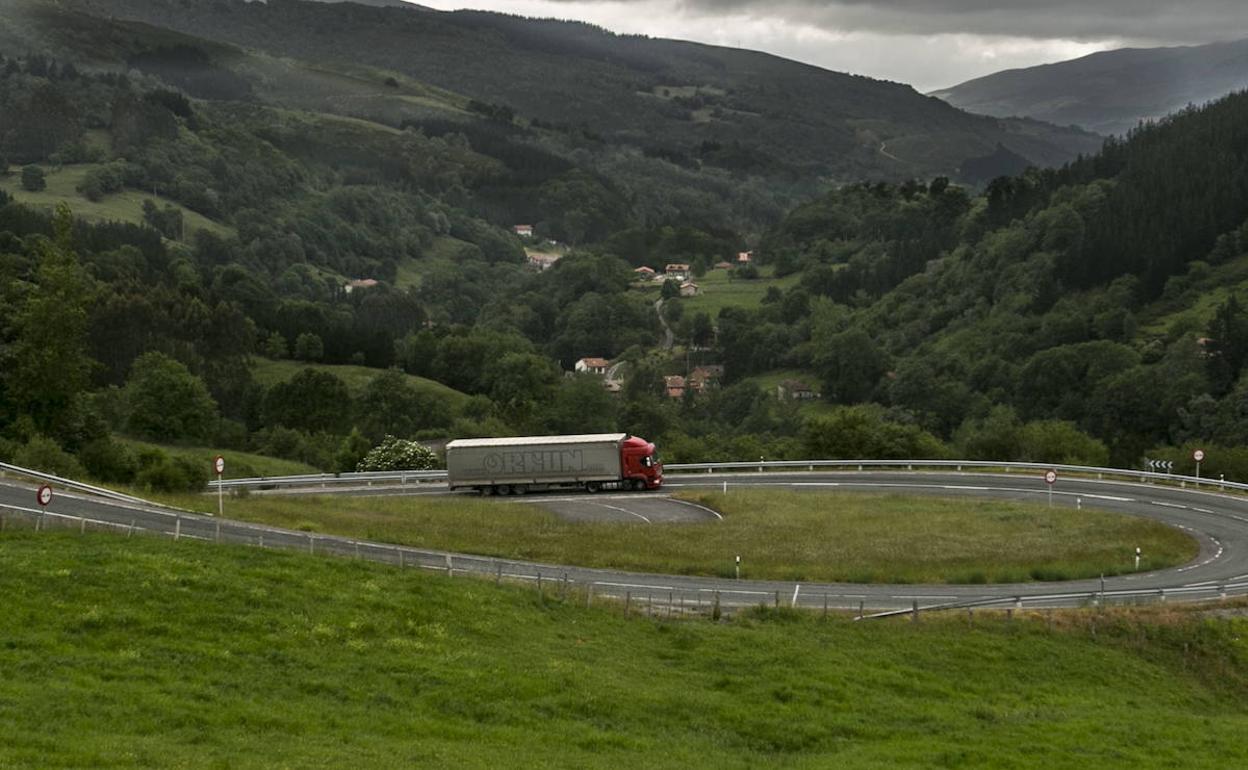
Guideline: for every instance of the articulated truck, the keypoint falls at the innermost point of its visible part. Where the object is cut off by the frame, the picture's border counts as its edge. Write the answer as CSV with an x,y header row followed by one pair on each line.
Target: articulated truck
x,y
593,462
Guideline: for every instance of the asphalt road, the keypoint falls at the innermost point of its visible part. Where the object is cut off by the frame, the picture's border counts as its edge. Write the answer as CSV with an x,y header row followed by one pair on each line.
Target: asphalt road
x,y
1219,522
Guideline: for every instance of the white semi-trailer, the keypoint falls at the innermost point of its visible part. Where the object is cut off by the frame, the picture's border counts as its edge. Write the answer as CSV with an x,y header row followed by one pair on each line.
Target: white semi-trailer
x,y
593,461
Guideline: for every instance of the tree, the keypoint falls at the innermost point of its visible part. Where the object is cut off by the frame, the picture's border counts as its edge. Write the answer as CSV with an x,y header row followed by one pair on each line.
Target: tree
x,y
46,366
308,347
166,401
33,179
1228,345
351,451
392,406
310,401
275,346
851,364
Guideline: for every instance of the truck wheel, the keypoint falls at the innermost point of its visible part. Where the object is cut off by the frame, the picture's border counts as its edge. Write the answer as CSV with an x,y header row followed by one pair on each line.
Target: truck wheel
x,y
639,485
593,487
504,489
519,489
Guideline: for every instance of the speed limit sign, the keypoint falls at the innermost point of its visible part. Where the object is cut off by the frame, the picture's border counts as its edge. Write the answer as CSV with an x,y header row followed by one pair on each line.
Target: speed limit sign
x,y
1050,477
1198,455
44,495
218,464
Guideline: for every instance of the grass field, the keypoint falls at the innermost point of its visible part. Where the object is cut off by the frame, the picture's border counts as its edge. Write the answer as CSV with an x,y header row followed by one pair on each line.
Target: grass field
x,y
269,372
720,291
148,653
239,465
779,534
125,206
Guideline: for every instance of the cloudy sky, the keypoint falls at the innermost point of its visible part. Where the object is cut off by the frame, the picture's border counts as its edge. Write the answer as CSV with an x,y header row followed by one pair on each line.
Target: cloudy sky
x,y
928,43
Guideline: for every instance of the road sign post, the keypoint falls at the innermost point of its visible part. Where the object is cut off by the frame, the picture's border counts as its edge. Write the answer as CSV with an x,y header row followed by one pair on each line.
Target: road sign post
x,y
43,497
1198,456
218,465
738,568
1050,478
1137,558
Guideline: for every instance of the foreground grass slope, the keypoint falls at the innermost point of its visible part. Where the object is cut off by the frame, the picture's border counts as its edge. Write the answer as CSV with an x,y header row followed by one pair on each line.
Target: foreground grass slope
x,y
835,537
148,653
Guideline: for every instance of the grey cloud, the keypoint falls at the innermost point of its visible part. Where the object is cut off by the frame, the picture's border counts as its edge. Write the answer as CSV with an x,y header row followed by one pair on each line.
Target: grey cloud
x,y
1134,20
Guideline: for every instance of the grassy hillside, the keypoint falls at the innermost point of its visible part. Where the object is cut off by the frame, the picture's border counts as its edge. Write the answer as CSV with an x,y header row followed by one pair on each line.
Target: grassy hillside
x,y
719,289
269,372
238,464
125,206
145,653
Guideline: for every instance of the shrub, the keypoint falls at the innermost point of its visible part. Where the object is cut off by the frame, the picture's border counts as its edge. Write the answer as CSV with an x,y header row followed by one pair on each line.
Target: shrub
x,y
41,453
162,473
109,461
32,179
396,454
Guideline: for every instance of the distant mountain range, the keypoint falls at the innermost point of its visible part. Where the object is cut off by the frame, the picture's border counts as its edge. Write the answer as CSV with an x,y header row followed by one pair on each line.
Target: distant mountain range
x,y
693,104
1109,92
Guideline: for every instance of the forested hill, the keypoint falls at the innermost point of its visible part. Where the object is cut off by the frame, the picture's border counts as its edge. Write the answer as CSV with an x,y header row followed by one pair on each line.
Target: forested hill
x,y
1112,91
687,102
1109,295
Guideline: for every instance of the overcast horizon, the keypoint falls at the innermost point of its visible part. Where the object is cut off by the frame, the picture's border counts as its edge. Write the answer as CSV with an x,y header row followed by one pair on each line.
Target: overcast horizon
x,y
930,44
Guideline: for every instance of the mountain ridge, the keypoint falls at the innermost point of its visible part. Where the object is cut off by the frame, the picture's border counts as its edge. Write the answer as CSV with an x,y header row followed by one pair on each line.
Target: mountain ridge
x,y
1109,92
662,95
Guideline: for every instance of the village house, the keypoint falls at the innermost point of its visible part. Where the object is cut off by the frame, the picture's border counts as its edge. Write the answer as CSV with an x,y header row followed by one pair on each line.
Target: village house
x,y
674,386
677,272
689,289
542,261
362,283
704,377
723,265
644,273
592,366
745,257
524,231
795,390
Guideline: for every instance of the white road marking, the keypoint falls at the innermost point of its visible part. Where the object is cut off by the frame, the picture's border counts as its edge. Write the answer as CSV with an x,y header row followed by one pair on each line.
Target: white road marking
x,y
796,588
621,510
711,511
1169,505
633,585
1217,555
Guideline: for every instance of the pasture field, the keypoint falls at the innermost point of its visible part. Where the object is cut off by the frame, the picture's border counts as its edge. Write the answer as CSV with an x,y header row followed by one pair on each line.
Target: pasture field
x,y
269,372
783,535
123,206
148,653
720,290
240,465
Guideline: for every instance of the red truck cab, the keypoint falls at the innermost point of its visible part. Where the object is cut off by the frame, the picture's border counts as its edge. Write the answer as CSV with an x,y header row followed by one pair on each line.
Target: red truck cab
x,y
641,464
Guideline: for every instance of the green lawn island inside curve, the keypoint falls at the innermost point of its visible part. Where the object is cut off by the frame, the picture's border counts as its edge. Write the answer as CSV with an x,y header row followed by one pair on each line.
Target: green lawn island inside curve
x,y
780,534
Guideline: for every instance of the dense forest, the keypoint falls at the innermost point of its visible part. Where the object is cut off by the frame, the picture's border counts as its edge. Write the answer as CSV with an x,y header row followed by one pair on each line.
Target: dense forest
x,y
185,260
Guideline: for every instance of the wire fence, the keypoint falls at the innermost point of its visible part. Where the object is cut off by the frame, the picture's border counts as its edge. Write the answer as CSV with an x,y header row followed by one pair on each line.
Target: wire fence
x,y
646,595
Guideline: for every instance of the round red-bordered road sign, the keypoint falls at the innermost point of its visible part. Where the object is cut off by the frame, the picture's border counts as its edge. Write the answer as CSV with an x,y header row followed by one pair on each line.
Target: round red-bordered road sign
x,y
218,464
1050,477
1198,455
44,495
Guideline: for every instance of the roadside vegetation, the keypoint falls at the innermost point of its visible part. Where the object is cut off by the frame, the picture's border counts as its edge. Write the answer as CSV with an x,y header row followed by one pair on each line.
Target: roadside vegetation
x,y
148,653
781,535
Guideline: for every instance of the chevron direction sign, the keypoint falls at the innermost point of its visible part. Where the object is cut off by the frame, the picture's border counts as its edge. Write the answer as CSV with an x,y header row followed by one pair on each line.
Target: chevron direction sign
x,y
1159,466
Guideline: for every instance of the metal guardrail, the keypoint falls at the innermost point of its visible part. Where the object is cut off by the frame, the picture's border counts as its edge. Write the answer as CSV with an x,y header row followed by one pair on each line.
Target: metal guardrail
x,y
71,484
404,477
